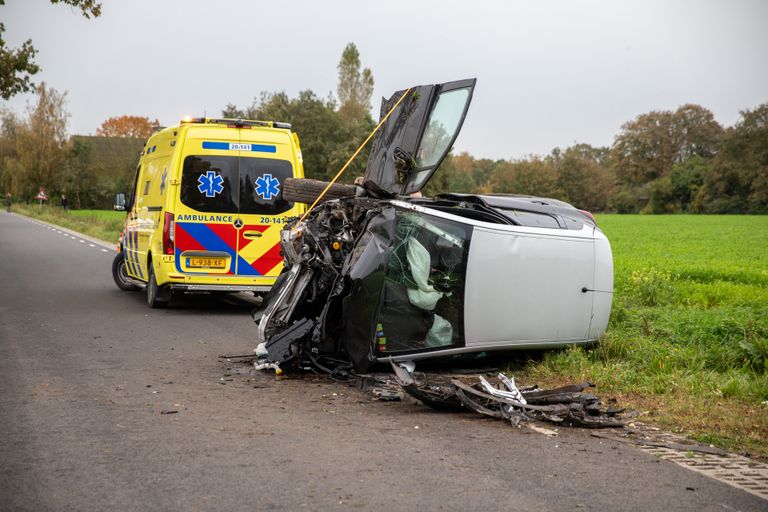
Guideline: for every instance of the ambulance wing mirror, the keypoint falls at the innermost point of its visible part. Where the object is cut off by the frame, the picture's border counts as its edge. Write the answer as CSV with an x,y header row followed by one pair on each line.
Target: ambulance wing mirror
x,y
119,202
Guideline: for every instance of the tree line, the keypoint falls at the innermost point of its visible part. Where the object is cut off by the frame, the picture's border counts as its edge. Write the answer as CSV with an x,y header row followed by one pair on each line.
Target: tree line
x,y
659,162
679,161
36,151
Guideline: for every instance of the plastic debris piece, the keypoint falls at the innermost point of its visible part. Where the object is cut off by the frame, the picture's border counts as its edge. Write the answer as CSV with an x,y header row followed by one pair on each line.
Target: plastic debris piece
x,y
546,431
268,366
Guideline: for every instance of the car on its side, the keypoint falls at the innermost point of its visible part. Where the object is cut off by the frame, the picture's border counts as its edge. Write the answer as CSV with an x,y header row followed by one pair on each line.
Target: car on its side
x,y
384,274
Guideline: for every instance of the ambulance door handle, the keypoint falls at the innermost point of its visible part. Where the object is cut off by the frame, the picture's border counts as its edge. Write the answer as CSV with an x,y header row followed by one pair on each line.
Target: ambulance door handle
x,y
252,234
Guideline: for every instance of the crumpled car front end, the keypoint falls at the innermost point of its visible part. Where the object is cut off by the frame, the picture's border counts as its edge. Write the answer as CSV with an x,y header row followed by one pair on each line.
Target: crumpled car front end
x,y
366,279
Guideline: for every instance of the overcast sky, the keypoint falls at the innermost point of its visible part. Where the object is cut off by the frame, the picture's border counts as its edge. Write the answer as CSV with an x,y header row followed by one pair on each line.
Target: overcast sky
x,y
550,73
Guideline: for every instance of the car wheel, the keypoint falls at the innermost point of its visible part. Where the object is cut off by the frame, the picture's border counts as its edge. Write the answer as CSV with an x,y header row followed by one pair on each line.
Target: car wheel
x,y
301,190
156,297
120,275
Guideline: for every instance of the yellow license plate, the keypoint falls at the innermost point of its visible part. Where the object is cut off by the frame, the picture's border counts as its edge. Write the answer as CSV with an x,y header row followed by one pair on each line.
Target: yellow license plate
x,y
206,262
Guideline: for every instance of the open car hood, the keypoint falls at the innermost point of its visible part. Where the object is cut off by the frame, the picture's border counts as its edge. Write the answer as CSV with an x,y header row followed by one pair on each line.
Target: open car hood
x,y
411,144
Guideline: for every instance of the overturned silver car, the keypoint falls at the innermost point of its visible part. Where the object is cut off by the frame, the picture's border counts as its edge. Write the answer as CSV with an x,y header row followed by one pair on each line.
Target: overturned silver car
x,y
385,275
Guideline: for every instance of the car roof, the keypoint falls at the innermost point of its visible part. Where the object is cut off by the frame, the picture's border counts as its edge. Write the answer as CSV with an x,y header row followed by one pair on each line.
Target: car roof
x,y
527,210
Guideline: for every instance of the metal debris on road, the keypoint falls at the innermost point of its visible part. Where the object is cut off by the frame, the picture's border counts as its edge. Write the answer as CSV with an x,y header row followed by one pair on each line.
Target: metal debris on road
x,y
567,405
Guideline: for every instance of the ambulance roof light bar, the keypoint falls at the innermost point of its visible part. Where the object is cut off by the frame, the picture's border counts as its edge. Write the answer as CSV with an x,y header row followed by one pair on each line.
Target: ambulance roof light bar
x,y
235,123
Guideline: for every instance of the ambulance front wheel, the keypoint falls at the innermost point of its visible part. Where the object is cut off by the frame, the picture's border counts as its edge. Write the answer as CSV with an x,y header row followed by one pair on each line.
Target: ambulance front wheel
x,y
120,275
156,297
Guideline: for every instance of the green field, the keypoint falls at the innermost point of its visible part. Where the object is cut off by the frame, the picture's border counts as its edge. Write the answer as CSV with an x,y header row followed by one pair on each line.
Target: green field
x,y
687,343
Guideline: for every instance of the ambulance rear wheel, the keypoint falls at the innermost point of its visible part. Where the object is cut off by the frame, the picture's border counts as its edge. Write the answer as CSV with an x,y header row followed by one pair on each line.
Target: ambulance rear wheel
x,y
156,296
302,190
120,275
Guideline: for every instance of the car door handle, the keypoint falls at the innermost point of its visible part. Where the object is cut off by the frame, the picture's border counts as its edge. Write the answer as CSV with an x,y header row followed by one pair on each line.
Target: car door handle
x,y
252,234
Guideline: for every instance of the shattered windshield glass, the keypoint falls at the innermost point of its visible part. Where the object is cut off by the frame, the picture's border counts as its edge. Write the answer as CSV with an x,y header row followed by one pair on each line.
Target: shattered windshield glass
x,y
423,297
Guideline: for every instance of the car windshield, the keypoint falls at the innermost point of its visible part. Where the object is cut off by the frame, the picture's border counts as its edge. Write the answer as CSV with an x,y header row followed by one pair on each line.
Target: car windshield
x,y
232,184
422,303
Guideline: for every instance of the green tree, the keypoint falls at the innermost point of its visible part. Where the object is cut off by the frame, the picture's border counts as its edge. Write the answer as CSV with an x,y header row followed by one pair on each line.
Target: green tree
x,y
529,176
35,151
315,121
10,125
678,191
696,133
78,179
583,181
355,87
452,176
106,164
650,145
482,171
738,181
231,111
329,133
17,65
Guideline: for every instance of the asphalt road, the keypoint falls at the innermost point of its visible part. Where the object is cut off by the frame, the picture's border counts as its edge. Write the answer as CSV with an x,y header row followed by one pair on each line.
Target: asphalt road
x,y
86,372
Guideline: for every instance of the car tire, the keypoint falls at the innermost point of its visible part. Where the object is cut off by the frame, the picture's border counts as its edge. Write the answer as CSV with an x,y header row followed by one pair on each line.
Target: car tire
x,y
302,190
156,297
120,275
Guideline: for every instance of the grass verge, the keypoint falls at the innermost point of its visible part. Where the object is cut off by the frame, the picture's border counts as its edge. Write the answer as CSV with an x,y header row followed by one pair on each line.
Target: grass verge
x,y
102,224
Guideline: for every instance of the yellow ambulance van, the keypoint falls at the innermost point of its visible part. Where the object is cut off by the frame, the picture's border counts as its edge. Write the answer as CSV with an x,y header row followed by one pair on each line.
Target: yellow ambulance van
x,y
207,208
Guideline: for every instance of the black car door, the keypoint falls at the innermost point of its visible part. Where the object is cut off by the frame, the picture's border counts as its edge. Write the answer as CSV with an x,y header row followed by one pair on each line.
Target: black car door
x,y
411,144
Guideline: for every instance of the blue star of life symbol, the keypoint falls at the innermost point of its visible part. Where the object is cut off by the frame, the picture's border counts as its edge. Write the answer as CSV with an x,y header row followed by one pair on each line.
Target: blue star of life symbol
x,y
210,184
267,187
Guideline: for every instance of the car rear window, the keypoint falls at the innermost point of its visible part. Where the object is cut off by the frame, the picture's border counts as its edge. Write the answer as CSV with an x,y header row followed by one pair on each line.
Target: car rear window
x,y
232,184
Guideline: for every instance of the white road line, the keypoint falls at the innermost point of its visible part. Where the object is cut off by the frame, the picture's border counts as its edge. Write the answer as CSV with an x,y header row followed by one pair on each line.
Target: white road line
x,y
91,245
81,241
104,250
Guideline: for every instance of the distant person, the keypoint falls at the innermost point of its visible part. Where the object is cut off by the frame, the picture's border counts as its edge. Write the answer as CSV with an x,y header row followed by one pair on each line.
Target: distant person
x,y
8,202
64,202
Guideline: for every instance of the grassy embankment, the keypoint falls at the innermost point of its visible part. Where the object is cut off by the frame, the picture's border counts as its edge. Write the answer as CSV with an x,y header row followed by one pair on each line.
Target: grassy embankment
x,y
687,343
688,339
102,224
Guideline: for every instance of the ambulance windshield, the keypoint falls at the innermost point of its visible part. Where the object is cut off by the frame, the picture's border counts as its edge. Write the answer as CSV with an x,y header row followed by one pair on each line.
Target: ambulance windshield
x,y
231,184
